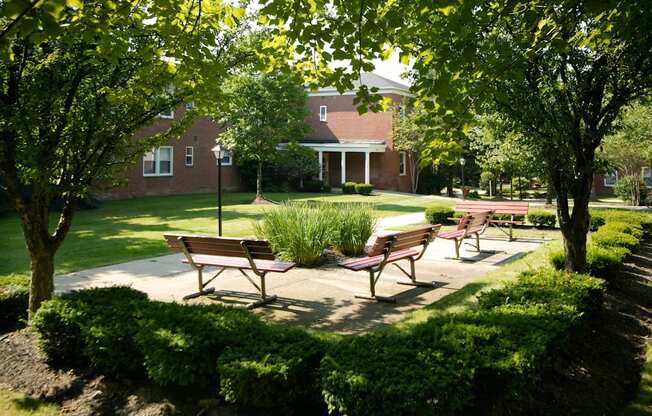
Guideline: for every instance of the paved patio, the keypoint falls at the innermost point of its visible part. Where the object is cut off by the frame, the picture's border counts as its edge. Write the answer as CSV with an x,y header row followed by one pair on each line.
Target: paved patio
x,y
320,298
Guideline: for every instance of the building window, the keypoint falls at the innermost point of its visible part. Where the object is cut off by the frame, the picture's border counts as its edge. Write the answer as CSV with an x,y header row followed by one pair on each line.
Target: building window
x,y
611,178
227,158
190,155
323,112
158,162
647,175
167,114
402,163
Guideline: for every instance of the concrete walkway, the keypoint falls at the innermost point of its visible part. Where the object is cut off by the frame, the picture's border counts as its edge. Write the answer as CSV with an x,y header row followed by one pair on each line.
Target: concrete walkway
x,y
320,298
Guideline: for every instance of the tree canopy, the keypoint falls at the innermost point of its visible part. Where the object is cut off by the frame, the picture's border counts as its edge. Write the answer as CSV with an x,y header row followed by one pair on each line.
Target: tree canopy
x,y
260,112
561,71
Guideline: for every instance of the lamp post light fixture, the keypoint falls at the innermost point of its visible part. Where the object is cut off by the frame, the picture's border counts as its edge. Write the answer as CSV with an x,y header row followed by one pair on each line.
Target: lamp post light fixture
x,y
218,151
462,163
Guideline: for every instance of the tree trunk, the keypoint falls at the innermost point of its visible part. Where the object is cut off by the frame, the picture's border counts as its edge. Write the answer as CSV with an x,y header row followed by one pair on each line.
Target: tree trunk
x,y
42,283
259,181
449,186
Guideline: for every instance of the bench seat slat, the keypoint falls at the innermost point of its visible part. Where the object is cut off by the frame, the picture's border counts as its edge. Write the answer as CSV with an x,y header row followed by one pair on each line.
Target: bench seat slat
x,y
241,263
367,262
447,235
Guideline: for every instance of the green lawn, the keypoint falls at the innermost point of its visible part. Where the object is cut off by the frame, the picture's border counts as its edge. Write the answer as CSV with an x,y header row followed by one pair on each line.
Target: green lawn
x,y
14,404
131,229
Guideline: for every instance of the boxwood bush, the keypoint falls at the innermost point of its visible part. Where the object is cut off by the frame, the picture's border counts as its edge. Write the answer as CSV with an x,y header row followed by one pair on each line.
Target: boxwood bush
x,y
601,262
623,227
348,187
439,366
277,373
14,300
541,218
606,237
364,188
596,220
439,214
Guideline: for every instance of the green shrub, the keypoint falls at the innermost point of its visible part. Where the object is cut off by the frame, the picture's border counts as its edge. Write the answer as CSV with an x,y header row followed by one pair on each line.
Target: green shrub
x,y
542,219
313,185
596,220
623,227
86,328
14,300
473,195
355,224
601,262
298,232
606,237
364,188
348,187
636,218
391,373
439,214
548,287
277,373
181,343
486,179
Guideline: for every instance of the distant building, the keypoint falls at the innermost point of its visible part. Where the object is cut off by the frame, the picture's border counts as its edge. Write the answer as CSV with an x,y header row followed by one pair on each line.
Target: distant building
x,y
350,147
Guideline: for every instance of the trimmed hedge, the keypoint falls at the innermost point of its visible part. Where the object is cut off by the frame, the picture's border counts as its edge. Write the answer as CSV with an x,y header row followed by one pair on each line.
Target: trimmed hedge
x,y
314,185
541,218
608,238
348,187
596,220
601,262
439,214
14,301
364,188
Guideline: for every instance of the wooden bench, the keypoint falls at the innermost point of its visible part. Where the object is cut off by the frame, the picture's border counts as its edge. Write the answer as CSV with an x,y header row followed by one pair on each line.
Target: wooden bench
x,y
512,208
228,253
469,225
388,249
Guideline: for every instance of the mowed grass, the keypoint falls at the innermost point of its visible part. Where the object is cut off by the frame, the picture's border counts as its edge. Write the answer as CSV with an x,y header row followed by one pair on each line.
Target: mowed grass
x,y
132,229
15,404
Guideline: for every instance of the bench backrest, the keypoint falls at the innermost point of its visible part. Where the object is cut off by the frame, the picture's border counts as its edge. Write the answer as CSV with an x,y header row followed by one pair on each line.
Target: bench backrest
x,y
498,207
404,239
220,246
476,222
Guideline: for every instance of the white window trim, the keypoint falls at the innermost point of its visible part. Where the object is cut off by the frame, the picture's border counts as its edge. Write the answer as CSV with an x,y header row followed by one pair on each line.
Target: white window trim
x,y
604,180
192,156
325,115
230,163
649,169
402,157
157,162
167,117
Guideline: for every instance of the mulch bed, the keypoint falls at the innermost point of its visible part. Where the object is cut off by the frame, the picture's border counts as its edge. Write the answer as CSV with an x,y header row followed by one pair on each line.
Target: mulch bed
x,y
597,374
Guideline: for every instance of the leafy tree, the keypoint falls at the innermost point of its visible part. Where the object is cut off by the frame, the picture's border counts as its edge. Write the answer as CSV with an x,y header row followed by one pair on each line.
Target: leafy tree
x,y
629,149
409,137
77,80
300,162
561,71
260,112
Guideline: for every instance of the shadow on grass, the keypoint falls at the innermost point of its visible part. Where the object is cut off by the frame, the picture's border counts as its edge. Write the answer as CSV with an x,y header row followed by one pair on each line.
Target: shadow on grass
x,y
31,405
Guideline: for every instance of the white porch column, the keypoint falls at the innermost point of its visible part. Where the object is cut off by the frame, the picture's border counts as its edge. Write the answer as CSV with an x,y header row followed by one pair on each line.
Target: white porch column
x,y
343,165
321,166
366,167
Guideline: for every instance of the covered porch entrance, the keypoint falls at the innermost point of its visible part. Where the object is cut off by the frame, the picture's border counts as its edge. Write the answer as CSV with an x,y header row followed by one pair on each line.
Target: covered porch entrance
x,y
346,161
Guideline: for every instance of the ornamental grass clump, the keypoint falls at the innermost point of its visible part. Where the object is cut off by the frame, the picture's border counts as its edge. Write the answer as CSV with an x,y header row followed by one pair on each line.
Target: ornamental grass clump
x,y
355,224
298,232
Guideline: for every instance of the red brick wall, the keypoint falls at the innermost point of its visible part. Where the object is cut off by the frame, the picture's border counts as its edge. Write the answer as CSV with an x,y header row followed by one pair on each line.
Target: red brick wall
x,y
201,177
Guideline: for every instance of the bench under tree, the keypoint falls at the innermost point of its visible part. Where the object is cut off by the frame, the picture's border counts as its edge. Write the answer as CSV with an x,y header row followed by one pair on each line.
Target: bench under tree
x,y
471,225
512,208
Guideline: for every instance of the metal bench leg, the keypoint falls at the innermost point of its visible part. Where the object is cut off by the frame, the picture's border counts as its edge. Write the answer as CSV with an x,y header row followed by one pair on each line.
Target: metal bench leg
x,y
413,276
372,290
264,299
200,283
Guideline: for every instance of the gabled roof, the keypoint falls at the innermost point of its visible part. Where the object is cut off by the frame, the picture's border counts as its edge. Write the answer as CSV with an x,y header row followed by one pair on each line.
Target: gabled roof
x,y
371,80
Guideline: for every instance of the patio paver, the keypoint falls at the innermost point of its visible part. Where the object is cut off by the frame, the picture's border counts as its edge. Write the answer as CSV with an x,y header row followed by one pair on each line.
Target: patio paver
x,y
320,298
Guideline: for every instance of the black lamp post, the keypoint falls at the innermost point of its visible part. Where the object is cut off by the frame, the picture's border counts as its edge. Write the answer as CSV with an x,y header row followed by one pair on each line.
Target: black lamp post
x,y
219,154
462,163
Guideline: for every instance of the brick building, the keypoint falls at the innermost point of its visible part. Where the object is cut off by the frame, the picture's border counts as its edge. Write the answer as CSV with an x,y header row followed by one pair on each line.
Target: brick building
x,y
603,185
350,147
